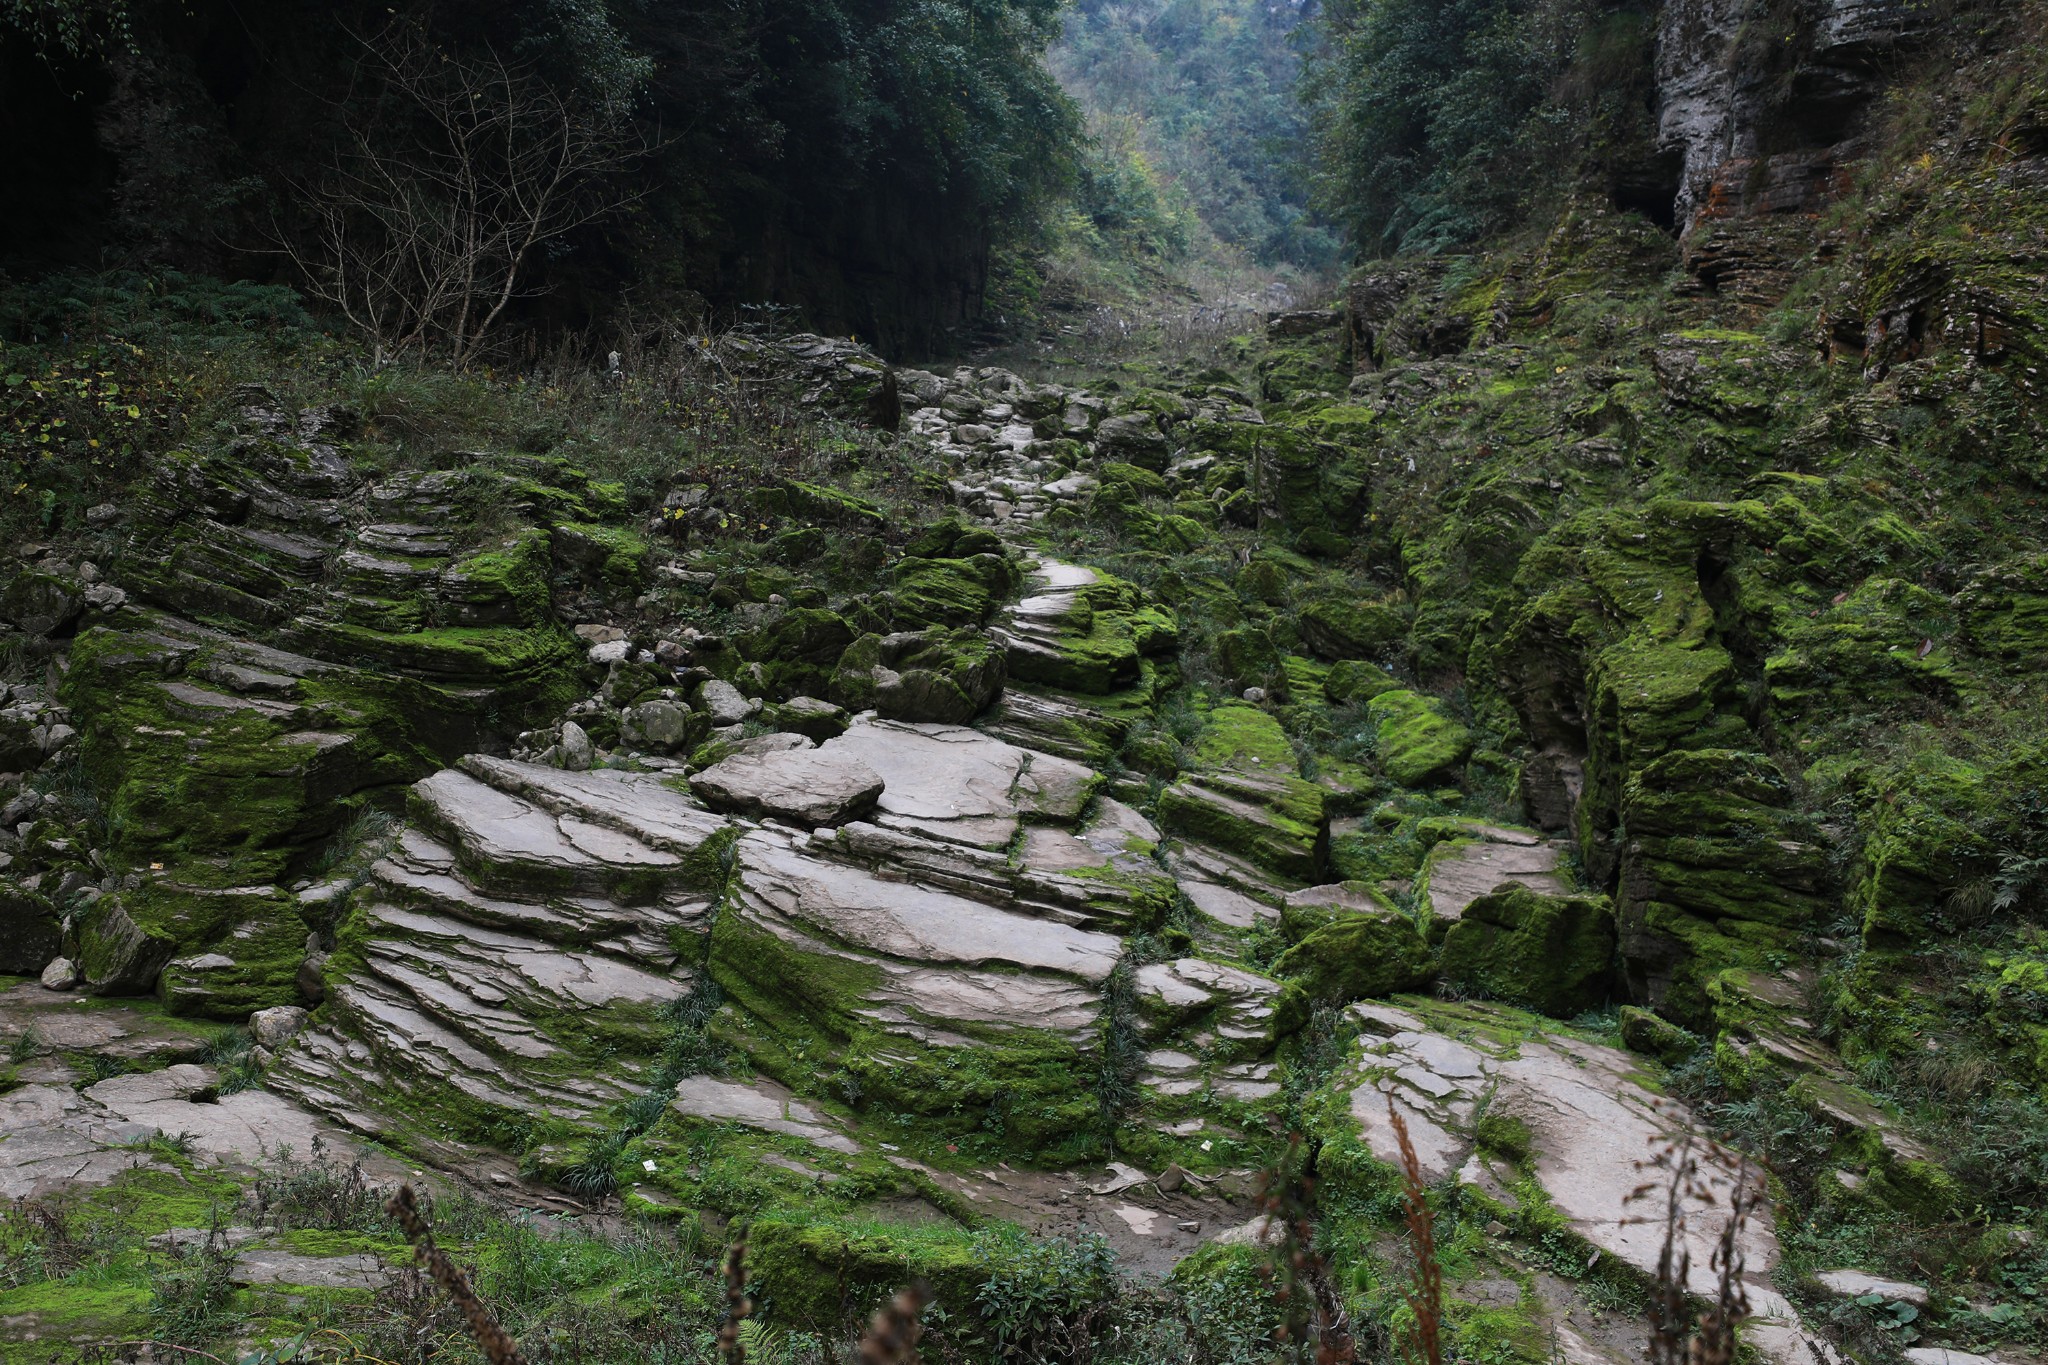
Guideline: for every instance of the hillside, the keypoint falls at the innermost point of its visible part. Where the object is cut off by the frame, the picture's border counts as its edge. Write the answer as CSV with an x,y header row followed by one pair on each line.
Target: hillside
x,y
1545,749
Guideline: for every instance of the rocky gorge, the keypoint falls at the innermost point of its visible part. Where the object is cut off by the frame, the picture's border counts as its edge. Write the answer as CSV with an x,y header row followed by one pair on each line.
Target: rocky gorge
x,y
1571,709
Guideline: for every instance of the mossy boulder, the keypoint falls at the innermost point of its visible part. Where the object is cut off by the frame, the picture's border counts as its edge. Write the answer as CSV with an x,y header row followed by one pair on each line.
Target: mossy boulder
x,y
1416,741
115,955
610,558
1338,628
1550,953
826,1278
38,603
1354,957
952,538
949,592
826,506
1654,1036
931,675
30,931
1249,658
1352,680
799,650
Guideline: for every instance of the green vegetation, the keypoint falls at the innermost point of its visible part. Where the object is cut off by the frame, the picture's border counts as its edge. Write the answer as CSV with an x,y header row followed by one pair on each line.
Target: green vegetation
x,y
1193,99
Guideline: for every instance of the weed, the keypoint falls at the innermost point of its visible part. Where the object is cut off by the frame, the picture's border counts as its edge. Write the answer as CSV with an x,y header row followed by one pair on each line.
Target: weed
x,y
25,1046
233,1052
317,1194
191,1292
1422,1343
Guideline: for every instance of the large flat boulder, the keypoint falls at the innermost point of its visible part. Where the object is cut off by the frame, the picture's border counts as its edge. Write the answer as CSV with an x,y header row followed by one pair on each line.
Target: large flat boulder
x,y
805,786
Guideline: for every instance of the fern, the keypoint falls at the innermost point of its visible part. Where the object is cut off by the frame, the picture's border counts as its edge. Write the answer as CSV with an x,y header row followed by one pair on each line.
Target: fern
x,y
764,1345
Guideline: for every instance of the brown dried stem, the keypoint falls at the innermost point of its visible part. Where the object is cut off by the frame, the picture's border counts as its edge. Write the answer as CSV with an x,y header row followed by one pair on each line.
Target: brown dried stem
x,y
1424,1293
1680,1332
496,1344
738,1307
891,1339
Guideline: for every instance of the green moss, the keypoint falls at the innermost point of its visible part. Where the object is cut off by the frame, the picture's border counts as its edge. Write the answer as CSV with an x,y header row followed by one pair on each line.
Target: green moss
x,y
949,592
1551,953
613,558
1415,741
504,585
827,1277
1346,629
798,650
1354,957
1652,1036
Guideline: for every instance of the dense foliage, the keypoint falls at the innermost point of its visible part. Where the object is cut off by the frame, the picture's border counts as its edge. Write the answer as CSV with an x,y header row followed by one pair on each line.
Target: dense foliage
x,y
856,161
1439,123
1203,92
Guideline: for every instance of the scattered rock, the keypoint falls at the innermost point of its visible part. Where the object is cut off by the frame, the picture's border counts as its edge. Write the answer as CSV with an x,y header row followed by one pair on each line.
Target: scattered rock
x,y
61,975
724,703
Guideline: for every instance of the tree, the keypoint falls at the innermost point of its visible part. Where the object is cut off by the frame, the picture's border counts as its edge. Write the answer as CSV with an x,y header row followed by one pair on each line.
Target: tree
x,y
454,173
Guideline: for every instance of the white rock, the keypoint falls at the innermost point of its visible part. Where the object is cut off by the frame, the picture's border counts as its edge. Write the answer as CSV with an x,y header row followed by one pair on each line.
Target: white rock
x,y
1854,1284
1942,1355
60,975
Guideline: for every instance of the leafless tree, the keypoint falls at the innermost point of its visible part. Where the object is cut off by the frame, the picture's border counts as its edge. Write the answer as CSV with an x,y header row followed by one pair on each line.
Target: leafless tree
x,y
453,174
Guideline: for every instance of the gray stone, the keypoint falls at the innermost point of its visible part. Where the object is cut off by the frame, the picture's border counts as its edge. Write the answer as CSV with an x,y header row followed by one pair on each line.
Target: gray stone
x,y
576,749
725,703
657,724
1460,872
807,786
1592,1124
279,1266
762,1105
1854,1284
60,975
1943,1355
274,1027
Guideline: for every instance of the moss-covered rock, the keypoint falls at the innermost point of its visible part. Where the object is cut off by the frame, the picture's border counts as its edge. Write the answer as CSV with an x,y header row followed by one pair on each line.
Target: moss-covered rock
x,y
949,592
1550,953
1354,957
1415,741
1653,1036
798,651
1340,628
933,675
827,1277
611,558
1244,794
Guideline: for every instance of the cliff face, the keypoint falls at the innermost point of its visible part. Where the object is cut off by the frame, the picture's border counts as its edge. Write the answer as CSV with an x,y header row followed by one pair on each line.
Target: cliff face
x,y
1763,110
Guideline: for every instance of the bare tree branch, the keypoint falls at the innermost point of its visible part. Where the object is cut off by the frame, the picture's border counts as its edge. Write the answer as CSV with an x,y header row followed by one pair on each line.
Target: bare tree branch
x,y
454,174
